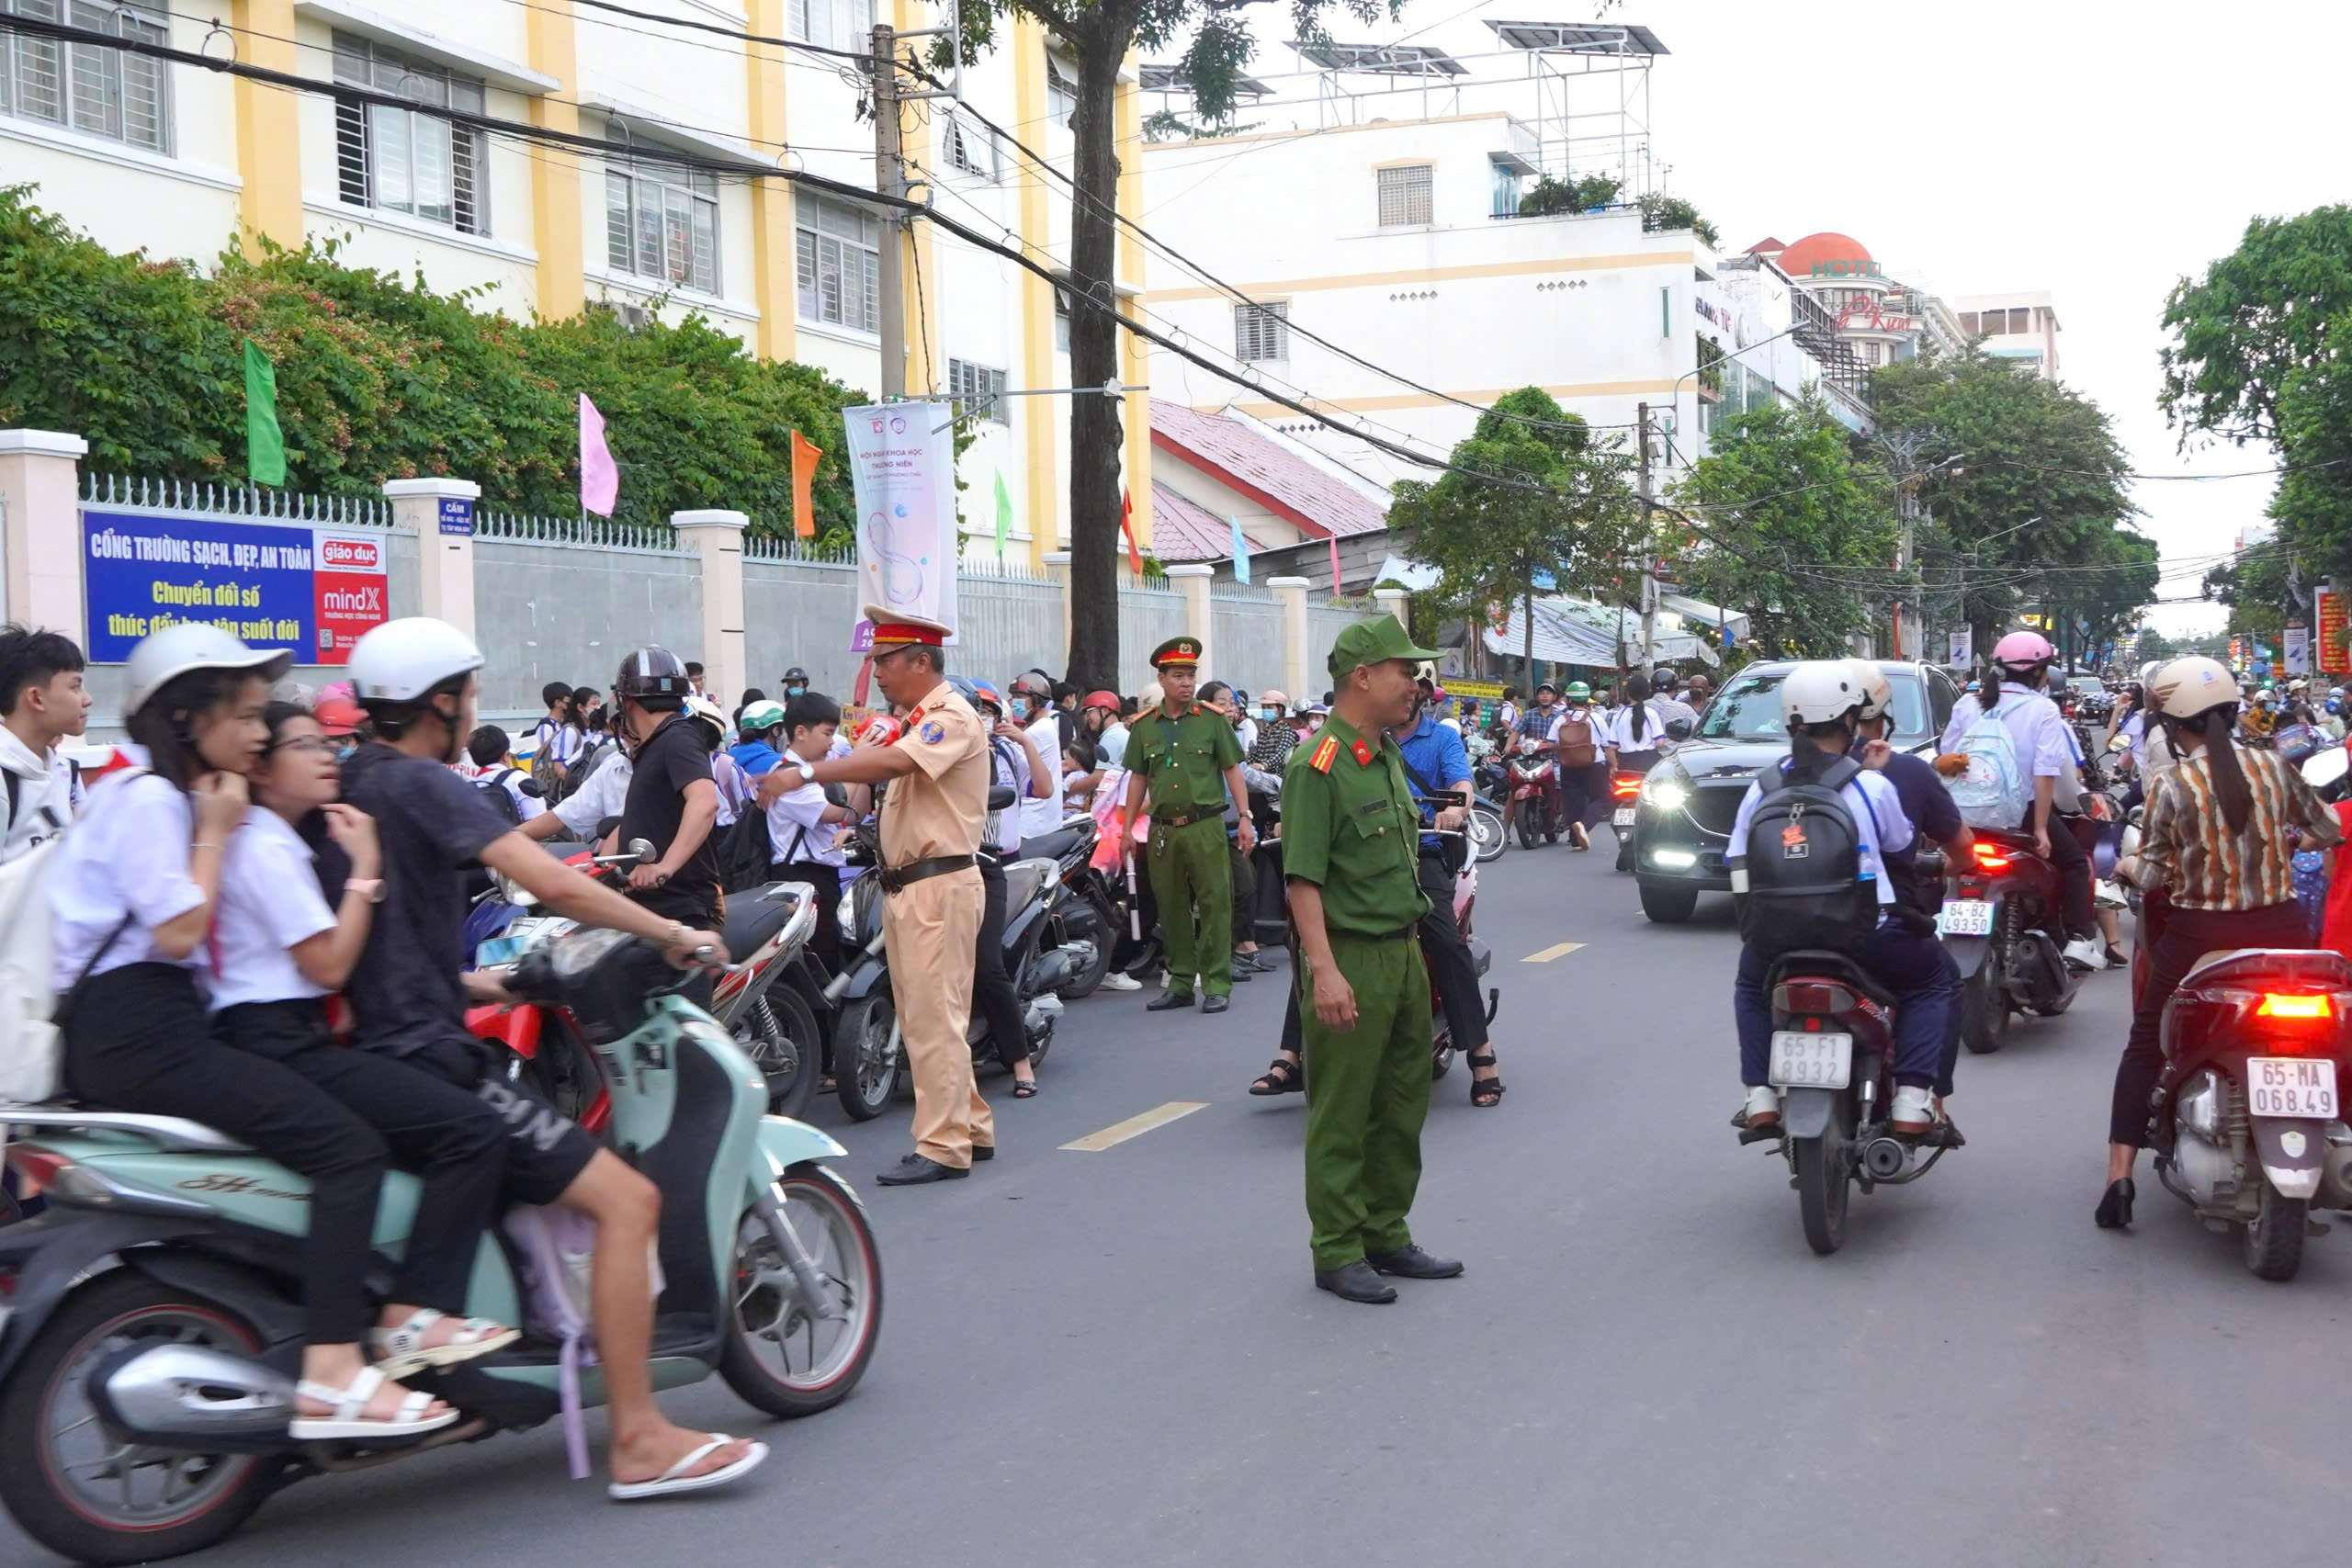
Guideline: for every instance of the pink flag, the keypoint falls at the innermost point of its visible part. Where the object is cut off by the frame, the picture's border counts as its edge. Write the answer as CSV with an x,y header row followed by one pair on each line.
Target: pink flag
x,y
600,477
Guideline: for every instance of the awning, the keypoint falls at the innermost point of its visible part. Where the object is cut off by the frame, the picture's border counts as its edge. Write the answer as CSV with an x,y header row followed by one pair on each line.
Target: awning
x,y
1577,631
1712,615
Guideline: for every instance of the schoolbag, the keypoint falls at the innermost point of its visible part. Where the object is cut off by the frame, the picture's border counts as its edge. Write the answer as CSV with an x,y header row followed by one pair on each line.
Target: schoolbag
x,y
1802,879
592,756
30,1044
1992,792
746,852
501,800
552,1249
1579,753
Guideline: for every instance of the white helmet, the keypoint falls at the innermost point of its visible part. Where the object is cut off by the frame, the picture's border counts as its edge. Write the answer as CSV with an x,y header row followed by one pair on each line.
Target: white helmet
x,y
161,657
1878,692
2148,672
712,717
1820,691
401,660
2186,687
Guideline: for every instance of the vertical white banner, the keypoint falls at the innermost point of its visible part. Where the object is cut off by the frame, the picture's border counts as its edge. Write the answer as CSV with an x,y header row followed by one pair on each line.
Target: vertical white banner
x,y
2296,644
1960,644
903,470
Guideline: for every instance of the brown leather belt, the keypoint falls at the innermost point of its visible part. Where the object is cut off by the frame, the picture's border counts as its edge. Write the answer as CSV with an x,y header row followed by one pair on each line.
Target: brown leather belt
x,y
1187,820
895,879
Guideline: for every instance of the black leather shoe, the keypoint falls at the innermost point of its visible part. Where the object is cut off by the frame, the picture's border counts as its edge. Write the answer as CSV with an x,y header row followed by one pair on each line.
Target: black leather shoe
x,y
1356,1282
1412,1263
1167,1000
916,1170
983,1151
1216,1004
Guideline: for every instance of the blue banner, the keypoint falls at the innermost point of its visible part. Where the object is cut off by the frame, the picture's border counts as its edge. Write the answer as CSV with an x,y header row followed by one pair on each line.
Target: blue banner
x,y
271,584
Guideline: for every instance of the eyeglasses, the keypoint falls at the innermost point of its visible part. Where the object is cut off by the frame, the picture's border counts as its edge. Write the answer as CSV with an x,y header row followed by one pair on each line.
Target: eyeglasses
x,y
319,744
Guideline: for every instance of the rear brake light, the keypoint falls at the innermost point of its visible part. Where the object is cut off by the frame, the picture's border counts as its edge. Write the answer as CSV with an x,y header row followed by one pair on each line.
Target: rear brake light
x,y
1624,784
2288,1005
1992,857
38,1167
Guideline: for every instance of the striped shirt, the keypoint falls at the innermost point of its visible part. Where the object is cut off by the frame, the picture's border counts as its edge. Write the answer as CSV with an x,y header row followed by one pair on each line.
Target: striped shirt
x,y
2186,842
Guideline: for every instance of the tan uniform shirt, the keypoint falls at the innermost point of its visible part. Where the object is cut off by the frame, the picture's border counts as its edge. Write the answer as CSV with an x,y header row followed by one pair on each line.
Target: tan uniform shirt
x,y
938,808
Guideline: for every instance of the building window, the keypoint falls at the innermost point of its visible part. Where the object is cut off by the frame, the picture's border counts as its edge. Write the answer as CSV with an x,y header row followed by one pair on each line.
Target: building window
x,y
662,223
1262,332
1403,195
2020,320
1968,322
399,160
105,92
1061,94
977,390
840,266
969,147
835,24
1506,188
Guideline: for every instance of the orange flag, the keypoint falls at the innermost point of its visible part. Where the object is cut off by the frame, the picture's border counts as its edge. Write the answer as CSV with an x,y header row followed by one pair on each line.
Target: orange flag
x,y
1126,510
804,471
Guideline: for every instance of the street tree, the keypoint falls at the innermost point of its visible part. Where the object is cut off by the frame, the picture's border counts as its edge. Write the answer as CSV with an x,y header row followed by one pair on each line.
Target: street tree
x,y
1098,35
1534,503
2258,315
1796,529
2034,500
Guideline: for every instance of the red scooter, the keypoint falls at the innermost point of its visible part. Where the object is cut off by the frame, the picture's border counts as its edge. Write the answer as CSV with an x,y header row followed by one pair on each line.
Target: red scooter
x,y
2248,1119
1536,804
1624,798
2004,922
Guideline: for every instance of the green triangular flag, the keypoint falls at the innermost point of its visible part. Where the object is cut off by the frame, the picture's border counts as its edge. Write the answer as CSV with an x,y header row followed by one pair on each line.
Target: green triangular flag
x,y
1003,514
264,443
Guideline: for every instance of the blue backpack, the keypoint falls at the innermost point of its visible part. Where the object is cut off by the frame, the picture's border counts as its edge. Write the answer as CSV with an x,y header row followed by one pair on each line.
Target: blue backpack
x,y
1992,792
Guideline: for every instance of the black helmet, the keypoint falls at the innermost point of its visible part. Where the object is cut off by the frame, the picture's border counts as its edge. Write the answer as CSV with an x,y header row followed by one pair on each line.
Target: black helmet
x,y
651,672
796,674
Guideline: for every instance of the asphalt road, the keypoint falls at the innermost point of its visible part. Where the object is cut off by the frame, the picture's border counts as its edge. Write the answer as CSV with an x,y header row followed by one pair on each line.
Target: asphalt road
x,y
1118,1357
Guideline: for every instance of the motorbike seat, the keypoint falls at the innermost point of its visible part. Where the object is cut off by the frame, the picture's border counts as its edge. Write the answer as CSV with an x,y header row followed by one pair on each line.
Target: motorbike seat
x,y
1058,844
1023,879
753,921
1836,965
2290,964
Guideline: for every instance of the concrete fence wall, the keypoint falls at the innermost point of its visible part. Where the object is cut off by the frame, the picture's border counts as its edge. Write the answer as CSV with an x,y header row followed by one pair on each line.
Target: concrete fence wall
x,y
566,598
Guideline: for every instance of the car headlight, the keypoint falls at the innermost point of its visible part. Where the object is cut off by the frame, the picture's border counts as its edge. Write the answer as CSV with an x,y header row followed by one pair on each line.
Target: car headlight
x,y
1664,795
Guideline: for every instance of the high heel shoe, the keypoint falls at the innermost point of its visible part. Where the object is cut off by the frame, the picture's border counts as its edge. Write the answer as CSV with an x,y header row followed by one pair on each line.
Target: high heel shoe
x,y
2115,1209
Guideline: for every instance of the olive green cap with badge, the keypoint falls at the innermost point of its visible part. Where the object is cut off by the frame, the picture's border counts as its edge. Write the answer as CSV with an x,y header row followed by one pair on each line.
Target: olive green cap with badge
x,y
1178,652
1373,640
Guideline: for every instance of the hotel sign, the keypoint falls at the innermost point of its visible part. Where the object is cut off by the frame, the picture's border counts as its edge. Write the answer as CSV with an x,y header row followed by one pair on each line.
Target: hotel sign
x,y
1865,268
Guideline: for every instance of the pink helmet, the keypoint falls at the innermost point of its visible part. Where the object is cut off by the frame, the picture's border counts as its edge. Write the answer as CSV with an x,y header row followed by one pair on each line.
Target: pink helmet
x,y
2023,648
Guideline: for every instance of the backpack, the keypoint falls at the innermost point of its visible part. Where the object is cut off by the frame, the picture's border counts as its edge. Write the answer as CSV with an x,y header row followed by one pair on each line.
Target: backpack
x,y
1992,792
31,1054
545,771
1803,880
501,800
552,1249
746,853
1580,753
592,756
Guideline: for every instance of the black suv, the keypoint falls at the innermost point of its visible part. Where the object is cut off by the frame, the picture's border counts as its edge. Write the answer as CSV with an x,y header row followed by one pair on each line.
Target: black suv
x,y
1683,828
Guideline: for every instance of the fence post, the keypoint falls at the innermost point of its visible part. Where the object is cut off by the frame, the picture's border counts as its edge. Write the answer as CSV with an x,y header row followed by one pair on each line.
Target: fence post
x,y
40,535
1191,580
717,534
445,544
1290,592
1395,601
1057,568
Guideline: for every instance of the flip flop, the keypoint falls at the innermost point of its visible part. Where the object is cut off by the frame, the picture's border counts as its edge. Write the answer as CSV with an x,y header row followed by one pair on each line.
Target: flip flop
x,y
670,1481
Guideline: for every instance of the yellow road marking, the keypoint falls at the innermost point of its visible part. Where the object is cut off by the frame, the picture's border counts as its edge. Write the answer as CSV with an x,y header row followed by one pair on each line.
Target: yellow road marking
x,y
1135,1126
1558,950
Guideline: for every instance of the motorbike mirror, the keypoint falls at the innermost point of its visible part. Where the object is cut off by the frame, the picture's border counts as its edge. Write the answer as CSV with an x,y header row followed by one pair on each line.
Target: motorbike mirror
x,y
1678,729
644,851
999,796
2119,743
513,892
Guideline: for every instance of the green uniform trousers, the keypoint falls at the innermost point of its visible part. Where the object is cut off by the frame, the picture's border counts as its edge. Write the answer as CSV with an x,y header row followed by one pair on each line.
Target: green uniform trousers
x,y
1367,1095
1192,880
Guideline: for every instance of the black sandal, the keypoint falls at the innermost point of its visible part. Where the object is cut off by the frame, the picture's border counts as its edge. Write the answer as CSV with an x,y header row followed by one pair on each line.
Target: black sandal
x,y
1286,1077
1025,1088
1485,1093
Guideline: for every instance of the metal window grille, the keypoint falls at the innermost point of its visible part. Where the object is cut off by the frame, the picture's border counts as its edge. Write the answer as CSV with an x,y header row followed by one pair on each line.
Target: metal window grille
x,y
1061,94
397,159
662,223
832,23
102,91
1262,332
977,390
972,147
1403,195
839,263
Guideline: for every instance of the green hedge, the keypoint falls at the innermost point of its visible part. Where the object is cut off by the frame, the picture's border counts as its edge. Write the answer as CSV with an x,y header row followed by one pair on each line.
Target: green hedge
x,y
381,379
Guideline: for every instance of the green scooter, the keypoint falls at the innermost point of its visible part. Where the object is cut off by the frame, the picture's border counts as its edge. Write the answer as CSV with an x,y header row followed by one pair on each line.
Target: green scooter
x,y
150,1328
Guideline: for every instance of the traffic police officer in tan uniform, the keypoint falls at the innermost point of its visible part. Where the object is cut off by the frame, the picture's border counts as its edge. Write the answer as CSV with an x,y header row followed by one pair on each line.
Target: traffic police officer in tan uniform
x,y
1189,759
938,770
1351,836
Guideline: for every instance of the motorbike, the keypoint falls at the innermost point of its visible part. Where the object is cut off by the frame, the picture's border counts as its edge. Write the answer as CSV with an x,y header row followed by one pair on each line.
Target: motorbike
x,y
2245,1121
153,1331
2004,923
1832,1060
1535,807
1625,795
1084,904
1465,899
1490,781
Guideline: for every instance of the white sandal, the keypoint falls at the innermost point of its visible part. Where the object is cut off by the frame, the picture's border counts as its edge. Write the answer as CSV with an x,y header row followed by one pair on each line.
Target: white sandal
x,y
350,1418
401,1350
674,1481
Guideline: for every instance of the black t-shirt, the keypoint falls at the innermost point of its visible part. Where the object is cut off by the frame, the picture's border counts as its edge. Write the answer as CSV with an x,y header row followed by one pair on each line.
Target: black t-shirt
x,y
404,990
672,757
1933,815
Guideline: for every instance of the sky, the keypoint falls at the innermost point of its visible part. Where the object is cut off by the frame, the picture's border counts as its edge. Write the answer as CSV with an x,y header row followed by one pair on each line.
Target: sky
x,y
2095,150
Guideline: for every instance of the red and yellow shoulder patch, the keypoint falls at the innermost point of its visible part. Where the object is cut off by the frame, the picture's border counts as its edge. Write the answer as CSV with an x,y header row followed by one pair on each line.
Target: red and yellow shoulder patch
x,y
1325,754
1363,753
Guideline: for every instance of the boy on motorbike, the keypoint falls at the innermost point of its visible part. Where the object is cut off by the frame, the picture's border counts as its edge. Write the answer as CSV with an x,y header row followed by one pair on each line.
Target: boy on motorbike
x,y
1822,703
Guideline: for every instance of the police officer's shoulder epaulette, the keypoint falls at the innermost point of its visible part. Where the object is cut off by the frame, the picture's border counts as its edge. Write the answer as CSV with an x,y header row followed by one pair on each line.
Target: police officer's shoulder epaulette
x,y
1325,754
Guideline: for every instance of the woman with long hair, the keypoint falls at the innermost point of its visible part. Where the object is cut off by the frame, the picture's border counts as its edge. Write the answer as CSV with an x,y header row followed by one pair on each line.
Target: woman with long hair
x,y
2218,838
134,896
1636,731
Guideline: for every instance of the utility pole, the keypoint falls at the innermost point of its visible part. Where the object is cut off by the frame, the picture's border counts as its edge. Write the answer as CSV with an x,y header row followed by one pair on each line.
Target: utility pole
x,y
1649,552
889,180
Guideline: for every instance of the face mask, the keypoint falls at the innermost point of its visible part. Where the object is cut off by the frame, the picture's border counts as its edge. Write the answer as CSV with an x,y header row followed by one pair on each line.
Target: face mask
x,y
1268,715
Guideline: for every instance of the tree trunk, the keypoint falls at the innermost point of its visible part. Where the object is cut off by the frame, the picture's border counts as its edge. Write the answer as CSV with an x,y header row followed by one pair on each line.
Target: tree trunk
x,y
1094,425
1527,640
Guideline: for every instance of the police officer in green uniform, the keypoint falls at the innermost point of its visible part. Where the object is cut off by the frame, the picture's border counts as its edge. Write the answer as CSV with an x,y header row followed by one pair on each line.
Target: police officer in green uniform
x,y
1351,833
1189,759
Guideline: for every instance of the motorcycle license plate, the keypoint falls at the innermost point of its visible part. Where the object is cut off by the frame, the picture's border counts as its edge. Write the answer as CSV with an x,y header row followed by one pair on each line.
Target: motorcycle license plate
x,y
1965,916
1624,817
1804,1059
2290,1086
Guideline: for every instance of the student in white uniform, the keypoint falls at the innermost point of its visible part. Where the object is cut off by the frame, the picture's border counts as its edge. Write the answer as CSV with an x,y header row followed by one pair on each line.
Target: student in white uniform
x,y
42,704
1636,731
133,895
1033,709
804,824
